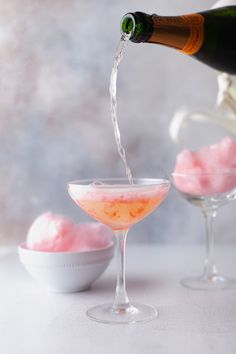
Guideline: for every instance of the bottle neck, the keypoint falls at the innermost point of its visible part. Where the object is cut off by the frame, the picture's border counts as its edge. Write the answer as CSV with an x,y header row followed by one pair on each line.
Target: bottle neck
x,y
185,33
139,25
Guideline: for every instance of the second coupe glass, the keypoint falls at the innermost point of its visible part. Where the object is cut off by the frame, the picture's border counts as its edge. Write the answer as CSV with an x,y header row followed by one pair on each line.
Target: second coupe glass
x,y
209,192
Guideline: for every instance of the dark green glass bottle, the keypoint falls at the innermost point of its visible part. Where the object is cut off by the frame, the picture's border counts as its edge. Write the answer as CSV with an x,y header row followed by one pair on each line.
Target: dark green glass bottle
x,y
209,36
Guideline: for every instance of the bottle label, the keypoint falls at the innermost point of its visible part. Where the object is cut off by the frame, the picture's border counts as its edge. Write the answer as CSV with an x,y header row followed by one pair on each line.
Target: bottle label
x,y
192,26
196,37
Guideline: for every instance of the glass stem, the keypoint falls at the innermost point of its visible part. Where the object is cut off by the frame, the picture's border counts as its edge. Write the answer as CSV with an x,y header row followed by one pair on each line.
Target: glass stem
x,y
210,270
121,302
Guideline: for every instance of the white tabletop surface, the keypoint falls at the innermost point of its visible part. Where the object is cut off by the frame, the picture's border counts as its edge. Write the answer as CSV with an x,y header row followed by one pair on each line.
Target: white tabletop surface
x,y
32,320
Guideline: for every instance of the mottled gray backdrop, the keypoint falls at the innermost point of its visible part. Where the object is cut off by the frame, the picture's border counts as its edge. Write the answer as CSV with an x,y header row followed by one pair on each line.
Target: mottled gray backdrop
x,y
55,64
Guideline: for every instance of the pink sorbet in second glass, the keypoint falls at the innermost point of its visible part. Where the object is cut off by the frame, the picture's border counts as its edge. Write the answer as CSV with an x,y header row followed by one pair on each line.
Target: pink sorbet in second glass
x,y
210,170
57,233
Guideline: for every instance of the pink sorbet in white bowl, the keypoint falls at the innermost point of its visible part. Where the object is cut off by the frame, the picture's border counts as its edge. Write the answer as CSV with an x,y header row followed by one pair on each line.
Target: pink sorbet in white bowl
x,y
57,233
64,256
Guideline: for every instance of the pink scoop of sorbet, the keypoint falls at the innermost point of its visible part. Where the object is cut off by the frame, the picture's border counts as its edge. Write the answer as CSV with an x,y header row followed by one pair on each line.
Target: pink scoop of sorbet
x,y
210,170
57,233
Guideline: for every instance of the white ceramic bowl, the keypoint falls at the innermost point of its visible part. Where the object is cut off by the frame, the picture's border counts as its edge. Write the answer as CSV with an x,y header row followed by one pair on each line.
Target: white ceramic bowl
x,y
66,271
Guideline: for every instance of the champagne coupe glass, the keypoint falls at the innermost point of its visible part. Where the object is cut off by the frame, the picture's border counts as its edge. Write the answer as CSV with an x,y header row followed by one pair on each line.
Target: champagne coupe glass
x,y
208,191
119,205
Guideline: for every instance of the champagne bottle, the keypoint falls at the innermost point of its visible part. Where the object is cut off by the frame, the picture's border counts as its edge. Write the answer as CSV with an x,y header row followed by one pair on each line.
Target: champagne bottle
x,y
208,36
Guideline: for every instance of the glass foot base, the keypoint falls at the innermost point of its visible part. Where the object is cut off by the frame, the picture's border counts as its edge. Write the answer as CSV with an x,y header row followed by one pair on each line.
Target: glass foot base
x,y
135,313
216,282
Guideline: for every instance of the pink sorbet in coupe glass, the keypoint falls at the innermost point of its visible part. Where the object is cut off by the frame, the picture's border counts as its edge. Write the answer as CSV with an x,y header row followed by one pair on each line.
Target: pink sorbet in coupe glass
x,y
210,170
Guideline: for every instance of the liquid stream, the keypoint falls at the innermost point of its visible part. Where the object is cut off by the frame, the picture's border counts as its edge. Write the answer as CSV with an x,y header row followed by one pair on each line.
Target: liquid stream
x,y
113,101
